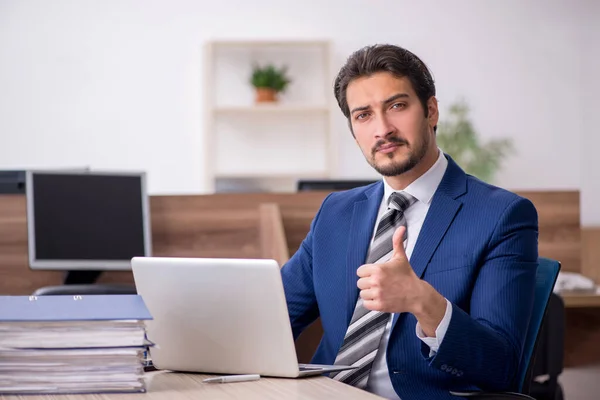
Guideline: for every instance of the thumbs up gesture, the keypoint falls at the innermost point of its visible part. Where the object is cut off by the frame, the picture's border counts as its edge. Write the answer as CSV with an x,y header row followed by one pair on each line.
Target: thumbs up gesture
x,y
392,286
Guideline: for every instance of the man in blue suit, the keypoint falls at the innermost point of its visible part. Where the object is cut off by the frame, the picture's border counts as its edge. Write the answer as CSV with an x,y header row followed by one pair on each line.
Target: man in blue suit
x,y
423,281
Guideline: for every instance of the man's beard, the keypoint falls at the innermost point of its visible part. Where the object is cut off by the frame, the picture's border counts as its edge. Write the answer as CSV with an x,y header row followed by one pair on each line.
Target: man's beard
x,y
415,155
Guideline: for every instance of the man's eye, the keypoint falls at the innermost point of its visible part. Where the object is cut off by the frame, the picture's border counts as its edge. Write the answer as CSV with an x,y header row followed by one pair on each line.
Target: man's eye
x,y
398,105
361,116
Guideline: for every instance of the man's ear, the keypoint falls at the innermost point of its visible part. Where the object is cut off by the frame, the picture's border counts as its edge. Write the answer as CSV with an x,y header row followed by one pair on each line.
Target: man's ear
x,y
433,114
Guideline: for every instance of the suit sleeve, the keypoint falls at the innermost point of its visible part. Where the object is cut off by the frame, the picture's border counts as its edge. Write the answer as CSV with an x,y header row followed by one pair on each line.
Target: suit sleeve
x,y
297,276
483,345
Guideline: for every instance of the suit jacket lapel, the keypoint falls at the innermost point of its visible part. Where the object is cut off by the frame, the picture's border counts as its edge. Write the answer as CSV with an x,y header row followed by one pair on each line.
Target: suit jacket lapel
x,y
363,221
444,207
439,217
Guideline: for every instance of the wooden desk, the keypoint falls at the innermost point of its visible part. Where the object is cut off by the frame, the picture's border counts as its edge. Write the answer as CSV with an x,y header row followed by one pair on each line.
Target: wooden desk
x,y
581,300
176,386
582,333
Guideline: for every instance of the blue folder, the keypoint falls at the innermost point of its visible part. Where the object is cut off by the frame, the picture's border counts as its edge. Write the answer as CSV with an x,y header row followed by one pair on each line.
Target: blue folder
x,y
73,308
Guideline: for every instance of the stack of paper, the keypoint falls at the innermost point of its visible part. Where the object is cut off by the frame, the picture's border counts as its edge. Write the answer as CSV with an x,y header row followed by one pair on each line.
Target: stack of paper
x,y
72,344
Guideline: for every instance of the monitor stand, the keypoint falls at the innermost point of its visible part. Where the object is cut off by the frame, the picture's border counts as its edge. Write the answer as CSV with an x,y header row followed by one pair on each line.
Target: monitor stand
x,y
81,277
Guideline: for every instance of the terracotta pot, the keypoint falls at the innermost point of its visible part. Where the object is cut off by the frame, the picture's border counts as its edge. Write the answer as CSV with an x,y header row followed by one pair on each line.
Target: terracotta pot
x,y
265,95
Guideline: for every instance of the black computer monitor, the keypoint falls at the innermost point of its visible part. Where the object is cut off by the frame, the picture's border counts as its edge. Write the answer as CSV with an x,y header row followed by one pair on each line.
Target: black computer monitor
x,y
330,185
12,182
91,221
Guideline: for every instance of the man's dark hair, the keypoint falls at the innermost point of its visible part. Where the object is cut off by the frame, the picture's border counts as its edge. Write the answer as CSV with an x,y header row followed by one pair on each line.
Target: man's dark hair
x,y
384,58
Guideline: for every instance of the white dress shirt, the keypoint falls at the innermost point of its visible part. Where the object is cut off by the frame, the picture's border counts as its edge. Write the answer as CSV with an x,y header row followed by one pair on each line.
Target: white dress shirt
x,y
423,190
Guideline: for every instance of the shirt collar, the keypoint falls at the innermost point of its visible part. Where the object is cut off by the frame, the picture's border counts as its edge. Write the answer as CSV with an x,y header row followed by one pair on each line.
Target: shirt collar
x,y
424,187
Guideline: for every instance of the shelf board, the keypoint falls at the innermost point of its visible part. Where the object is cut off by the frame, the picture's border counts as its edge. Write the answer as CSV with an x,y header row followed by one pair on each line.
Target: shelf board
x,y
271,108
268,43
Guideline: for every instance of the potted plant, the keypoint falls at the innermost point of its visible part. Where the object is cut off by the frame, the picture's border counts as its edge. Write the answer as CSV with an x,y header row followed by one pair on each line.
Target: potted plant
x,y
268,82
458,138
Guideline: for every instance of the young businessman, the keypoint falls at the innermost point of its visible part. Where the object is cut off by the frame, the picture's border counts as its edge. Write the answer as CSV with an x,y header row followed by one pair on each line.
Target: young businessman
x,y
424,280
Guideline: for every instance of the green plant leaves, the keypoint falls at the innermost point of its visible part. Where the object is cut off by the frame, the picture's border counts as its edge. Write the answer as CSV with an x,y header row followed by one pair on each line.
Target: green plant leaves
x,y
270,77
458,138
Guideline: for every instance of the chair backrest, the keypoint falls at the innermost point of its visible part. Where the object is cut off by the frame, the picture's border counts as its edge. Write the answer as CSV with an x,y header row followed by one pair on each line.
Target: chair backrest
x,y
546,275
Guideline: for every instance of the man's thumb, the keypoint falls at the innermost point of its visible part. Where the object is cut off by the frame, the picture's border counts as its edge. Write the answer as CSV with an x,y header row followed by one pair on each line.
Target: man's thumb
x,y
398,243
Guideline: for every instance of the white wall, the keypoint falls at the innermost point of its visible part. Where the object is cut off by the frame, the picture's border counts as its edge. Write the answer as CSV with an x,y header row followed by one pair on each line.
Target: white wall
x,y
117,83
590,90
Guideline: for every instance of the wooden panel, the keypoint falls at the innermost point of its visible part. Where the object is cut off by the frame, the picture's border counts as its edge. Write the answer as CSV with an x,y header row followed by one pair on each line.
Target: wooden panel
x,y
225,225
559,225
15,275
272,234
182,227
590,245
212,237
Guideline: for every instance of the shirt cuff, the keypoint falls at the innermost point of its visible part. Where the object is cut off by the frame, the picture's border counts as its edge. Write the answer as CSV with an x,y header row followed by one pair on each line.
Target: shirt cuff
x,y
434,343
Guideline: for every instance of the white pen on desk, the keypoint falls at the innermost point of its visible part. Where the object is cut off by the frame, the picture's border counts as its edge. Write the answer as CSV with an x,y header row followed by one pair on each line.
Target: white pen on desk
x,y
232,378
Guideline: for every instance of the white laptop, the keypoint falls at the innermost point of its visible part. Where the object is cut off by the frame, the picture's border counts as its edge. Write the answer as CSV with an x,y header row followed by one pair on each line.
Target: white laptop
x,y
222,316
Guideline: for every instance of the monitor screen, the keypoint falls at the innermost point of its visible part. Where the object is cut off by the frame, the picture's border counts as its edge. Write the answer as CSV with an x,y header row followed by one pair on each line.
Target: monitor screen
x,y
86,220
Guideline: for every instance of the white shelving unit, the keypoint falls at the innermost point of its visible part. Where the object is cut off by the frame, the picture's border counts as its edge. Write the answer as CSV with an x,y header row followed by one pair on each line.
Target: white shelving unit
x,y
267,146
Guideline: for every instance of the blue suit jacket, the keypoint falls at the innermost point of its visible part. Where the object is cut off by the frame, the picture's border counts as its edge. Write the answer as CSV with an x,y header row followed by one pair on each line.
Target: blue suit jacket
x,y
477,247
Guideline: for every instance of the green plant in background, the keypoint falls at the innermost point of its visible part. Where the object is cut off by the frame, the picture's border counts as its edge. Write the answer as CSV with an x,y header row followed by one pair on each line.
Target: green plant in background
x,y
458,138
270,77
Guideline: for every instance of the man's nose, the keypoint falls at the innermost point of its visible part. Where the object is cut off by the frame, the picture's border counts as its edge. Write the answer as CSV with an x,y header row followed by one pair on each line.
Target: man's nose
x,y
383,127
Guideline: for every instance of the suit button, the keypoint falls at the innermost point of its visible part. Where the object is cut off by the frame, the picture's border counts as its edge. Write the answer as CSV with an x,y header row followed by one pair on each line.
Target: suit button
x,y
454,371
444,367
459,373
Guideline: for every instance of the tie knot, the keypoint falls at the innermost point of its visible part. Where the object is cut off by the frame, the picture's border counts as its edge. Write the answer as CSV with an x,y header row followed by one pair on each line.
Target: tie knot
x,y
400,201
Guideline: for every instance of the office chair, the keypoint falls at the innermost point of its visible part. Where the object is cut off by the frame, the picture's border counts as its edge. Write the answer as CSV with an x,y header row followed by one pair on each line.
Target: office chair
x,y
93,289
546,275
549,356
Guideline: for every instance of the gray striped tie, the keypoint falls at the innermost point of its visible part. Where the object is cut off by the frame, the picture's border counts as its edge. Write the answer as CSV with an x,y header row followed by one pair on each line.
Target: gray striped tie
x,y
367,327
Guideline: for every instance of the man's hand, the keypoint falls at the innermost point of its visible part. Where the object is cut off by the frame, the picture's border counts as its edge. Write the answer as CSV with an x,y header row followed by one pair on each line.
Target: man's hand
x,y
394,287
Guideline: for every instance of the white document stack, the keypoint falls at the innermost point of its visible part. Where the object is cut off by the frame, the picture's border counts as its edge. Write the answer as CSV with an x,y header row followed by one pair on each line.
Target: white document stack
x,y
73,347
